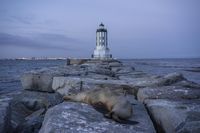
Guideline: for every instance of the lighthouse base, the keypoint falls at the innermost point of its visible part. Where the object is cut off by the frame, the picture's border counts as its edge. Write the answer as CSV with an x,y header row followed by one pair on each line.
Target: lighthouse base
x,y
101,54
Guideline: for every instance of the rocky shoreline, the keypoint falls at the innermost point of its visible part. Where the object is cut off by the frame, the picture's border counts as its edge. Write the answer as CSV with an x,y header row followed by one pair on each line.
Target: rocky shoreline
x,y
167,103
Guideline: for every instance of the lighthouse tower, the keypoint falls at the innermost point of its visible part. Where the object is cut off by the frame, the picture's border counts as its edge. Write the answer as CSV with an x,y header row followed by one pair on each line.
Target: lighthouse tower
x,y
101,51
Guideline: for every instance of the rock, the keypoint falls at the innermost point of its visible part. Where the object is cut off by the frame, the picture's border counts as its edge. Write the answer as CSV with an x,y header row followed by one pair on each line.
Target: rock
x,y
126,70
77,61
175,116
115,69
100,70
27,102
5,115
166,80
32,123
172,78
188,84
101,65
69,85
99,76
41,80
168,92
115,64
123,69
107,61
37,82
132,76
82,118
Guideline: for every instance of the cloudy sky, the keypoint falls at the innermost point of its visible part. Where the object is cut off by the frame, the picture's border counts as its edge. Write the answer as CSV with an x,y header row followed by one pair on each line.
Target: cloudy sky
x,y
66,28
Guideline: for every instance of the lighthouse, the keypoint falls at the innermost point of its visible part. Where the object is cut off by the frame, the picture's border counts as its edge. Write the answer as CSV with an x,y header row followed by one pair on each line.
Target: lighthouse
x,y
101,51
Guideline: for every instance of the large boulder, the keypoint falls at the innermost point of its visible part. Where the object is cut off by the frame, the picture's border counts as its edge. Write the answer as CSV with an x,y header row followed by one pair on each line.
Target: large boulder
x,y
37,81
168,92
188,84
100,70
32,123
171,78
126,70
41,80
99,76
82,118
25,104
66,85
76,61
166,80
133,76
115,64
175,116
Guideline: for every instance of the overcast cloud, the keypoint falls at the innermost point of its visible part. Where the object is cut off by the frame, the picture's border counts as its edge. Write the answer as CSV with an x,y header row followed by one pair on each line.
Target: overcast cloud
x,y
66,28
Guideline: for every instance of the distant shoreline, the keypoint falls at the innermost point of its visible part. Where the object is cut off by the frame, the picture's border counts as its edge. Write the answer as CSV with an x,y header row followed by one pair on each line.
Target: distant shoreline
x,y
89,58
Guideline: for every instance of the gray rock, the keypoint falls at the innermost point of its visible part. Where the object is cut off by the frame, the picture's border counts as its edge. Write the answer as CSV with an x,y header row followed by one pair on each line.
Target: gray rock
x,y
181,116
132,76
115,64
77,61
168,92
41,80
115,69
86,65
172,78
125,70
99,76
32,123
37,81
100,70
188,84
166,80
66,85
5,115
70,117
27,102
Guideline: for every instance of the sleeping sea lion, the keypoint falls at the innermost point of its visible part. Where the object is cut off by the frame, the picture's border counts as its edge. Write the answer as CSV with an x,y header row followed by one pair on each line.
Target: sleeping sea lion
x,y
118,106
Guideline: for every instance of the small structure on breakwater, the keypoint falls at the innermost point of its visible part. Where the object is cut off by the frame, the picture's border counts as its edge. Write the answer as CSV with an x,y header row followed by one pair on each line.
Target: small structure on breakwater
x,y
101,51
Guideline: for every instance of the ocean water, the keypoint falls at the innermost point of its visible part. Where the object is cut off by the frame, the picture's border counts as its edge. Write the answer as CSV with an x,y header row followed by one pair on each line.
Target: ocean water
x,y
11,70
190,68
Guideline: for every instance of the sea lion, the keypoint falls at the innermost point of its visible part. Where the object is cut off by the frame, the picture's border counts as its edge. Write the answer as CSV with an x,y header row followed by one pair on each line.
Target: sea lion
x,y
119,108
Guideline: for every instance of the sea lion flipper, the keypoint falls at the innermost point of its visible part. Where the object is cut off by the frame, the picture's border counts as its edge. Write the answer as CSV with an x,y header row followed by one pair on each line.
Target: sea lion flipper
x,y
66,98
108,115
100,107
116,118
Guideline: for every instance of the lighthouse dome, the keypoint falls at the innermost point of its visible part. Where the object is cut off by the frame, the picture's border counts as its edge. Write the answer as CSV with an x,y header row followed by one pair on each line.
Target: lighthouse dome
x,y
101,28
101,25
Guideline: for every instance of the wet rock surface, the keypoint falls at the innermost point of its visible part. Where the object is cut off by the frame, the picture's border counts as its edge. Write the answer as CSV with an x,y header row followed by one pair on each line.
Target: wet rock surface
x,y
168,92
171,100
83,118
145,81
41,80
175,116
65,85
25,106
